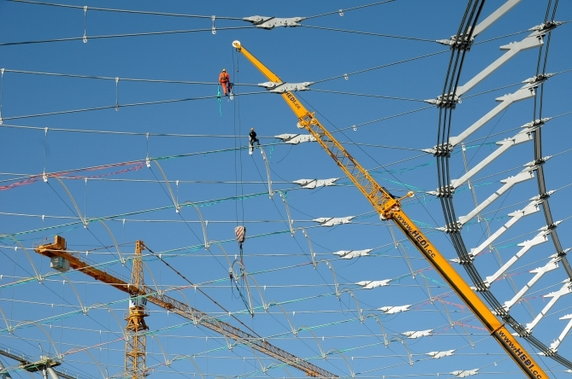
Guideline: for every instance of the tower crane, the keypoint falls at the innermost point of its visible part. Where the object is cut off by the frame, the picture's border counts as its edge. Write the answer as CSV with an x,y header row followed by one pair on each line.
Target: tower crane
x,y
62,260
389,208
135,338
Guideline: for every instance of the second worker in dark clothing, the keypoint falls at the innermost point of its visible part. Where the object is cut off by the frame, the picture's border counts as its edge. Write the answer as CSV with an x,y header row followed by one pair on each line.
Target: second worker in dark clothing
x,y
252,140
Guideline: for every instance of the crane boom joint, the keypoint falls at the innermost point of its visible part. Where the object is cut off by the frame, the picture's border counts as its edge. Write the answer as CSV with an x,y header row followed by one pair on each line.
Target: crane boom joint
x,y
391,205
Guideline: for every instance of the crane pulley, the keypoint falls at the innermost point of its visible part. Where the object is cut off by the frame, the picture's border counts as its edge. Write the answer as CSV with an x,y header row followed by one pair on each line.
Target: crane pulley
x,y
389,208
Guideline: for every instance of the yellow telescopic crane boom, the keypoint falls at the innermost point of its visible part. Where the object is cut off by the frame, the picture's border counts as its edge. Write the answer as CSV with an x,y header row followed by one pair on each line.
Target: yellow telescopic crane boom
x,y
388,207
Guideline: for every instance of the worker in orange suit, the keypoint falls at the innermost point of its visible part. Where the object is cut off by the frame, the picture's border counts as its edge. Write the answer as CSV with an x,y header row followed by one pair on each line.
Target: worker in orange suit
x,y
224,81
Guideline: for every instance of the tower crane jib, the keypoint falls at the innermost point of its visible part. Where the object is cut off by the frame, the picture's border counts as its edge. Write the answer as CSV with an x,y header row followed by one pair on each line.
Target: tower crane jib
x,y
58,254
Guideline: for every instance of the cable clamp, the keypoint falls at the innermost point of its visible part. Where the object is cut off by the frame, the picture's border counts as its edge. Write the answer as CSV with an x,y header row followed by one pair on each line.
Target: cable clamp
x,y
285,87
267,22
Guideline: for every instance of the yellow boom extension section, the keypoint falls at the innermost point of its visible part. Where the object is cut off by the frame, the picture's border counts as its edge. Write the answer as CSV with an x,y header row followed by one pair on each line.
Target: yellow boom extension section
x,y
389,208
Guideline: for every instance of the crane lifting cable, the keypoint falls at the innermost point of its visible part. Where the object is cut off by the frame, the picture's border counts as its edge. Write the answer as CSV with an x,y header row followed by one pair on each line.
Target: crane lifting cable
x,y
237,270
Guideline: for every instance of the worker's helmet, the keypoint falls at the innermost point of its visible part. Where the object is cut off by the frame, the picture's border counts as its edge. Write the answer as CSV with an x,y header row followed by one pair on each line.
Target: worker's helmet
x,y
224,70
251,129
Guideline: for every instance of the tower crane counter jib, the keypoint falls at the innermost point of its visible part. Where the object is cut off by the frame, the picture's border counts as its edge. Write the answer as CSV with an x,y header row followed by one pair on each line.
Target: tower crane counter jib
x,y
389,208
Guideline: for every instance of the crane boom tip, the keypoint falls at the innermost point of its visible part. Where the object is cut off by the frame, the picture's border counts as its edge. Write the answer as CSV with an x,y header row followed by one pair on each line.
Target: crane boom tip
x,y
236,44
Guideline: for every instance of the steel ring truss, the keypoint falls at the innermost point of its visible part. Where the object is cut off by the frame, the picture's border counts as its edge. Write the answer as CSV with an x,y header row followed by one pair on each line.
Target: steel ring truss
x,y
545,244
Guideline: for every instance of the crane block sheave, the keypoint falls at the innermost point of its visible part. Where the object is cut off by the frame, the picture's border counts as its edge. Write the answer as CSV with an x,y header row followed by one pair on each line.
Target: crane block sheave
x,y
389,208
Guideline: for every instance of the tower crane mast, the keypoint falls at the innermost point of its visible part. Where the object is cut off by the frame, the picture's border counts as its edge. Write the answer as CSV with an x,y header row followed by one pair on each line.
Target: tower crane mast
x,y
135,338
62,259
389,208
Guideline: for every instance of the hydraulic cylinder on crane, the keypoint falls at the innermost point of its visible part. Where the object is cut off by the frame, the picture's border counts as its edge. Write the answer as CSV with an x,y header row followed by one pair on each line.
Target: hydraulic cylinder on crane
x,y
389,208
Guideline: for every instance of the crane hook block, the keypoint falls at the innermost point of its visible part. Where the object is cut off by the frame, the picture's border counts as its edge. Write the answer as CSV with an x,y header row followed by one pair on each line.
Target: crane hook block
x,y
240,234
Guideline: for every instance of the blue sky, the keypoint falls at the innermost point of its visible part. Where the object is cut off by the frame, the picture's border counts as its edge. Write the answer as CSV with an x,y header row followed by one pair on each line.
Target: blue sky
x,y
113,131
